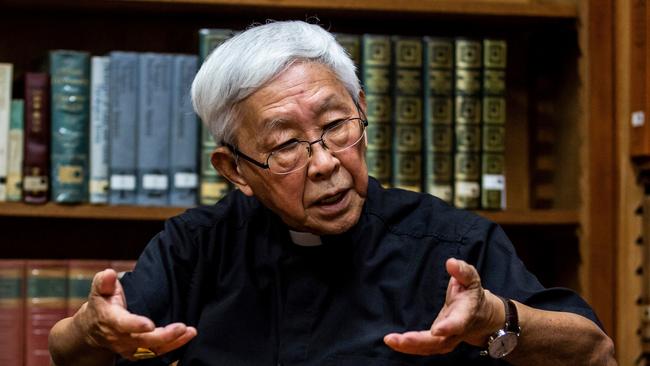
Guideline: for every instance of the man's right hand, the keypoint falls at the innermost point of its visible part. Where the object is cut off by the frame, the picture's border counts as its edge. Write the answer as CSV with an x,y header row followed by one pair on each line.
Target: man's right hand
x,y
107,324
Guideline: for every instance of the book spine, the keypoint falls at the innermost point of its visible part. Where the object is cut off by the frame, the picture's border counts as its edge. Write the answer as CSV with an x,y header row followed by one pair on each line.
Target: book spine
x,y
376,79
79,281
155,73
6,79
493,181
12,312
45,305
16,142
70,73
467,162
36,166
213,186
438,117
406,152
123,119
98,185
352,45
183,145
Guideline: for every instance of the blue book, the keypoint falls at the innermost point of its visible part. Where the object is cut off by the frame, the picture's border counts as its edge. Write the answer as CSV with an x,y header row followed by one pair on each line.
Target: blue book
x,y
184,139
70,75
154,104
98,186
123,118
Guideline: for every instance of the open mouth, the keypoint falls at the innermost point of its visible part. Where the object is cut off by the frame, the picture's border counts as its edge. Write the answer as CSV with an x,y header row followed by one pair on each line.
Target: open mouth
x,y
332,199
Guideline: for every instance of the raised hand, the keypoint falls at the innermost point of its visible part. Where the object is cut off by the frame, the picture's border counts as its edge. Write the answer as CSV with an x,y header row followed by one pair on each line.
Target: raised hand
x,y
470,315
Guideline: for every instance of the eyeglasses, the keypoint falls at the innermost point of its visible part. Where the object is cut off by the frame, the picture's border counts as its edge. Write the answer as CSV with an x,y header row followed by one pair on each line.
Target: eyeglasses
x,y
295,154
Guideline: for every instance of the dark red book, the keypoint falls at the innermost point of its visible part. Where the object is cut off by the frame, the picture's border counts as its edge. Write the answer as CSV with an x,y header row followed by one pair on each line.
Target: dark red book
x,y
36,166
12,311
44,306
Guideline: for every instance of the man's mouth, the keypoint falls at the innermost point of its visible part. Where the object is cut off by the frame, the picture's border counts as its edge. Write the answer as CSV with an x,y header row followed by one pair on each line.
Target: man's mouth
x,y
333,199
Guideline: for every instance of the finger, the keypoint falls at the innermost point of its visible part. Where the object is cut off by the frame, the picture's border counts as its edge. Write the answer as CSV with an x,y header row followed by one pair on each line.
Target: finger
x,y
190,332
418,343
464,273
126,322
104,283
161,335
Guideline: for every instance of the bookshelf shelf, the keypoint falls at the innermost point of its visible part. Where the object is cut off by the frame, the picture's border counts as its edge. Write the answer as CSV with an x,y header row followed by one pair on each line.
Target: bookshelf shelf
x,y
52,210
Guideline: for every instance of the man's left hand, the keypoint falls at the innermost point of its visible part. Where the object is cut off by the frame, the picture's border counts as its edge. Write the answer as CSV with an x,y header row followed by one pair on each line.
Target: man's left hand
x,y
470,314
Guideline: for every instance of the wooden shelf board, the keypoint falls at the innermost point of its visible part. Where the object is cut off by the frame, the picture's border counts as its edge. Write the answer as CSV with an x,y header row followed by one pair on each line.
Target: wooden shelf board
x,y
51,210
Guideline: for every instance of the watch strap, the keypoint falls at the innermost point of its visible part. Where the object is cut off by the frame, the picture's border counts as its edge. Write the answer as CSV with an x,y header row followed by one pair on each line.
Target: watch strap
x,y
512,317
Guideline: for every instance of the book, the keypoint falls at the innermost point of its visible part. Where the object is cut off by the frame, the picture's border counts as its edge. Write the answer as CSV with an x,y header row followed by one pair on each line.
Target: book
x,y
44,306
154,124
12,311
123,127
79,281
98,149
184,137
16,142
352,45
36,164
70,93
493,180
6,80
376,79
406,149
467,160
438,127
213,186
122,266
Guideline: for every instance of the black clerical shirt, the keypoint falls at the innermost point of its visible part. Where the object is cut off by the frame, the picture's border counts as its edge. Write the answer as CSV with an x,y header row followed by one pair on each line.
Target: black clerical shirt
x,y
255,298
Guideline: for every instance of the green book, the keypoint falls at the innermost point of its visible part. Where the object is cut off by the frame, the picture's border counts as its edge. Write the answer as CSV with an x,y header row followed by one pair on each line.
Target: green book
x,y
406,151
16,146
213,186
467,113
438,117
70,83
376,80
493,181
352,45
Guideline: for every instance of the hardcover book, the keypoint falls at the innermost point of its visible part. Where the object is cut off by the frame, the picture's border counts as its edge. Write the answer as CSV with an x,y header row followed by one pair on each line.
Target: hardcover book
x,y
12,311
376,79
36,165
493,181
16,146
70,73
155,98
184,139
467,167
6,79
45,305
123,127
79,281
352,45
99,83
213,186
438,117
406,152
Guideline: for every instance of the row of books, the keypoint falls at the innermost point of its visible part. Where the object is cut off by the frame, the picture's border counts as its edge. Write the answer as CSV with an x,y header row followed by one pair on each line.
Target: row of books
x,y
436,109
34,295
115,129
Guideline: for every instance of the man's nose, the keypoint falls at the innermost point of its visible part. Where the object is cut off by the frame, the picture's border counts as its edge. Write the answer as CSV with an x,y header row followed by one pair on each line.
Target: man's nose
x,y
322,162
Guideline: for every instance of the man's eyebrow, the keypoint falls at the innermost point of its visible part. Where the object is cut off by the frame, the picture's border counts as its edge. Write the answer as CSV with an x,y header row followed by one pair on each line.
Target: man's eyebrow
x,y
332,102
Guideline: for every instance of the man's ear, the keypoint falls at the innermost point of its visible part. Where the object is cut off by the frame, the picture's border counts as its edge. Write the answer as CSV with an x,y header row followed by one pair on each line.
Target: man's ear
x,y
224,162
362,102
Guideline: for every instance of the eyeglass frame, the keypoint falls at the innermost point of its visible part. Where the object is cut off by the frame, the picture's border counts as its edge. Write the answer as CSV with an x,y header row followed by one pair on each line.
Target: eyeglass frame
x,y
238,153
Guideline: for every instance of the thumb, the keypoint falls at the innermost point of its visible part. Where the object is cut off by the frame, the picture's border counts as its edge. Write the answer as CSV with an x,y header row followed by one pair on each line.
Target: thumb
x,y
464,273
104,283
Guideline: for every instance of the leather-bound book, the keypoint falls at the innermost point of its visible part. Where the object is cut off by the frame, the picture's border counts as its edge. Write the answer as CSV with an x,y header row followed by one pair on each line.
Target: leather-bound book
x,y
36,164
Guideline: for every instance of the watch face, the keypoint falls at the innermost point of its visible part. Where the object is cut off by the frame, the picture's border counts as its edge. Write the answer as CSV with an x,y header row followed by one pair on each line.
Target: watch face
x,y
502,344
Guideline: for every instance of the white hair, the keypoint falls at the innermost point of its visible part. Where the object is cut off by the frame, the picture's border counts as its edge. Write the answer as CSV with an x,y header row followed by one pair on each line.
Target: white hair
x,y
251,59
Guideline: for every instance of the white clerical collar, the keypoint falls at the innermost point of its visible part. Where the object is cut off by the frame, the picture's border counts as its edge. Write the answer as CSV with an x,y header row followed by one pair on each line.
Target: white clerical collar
x,y
305,239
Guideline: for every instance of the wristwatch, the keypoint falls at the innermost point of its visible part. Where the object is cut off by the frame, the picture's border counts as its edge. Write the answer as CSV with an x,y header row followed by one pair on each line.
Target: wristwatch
x,y
504,340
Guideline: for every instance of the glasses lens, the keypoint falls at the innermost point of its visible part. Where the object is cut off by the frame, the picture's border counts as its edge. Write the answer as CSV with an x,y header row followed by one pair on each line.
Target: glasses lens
x,y
289,158
343,135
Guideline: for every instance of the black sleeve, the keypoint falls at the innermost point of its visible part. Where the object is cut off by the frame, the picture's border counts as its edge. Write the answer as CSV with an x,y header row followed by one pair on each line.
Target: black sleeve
x,y
502,272
159,285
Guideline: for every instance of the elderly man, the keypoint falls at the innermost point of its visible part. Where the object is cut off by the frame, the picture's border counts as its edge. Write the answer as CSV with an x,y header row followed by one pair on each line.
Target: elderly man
x,y
310,261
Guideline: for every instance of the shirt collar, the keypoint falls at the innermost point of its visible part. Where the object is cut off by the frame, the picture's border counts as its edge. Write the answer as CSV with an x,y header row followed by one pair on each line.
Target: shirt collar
x,y
305,239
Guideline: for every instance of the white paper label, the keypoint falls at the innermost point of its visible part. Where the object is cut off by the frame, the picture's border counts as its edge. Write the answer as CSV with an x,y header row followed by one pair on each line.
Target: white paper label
x,y
123,182
638,119
494,181
468,189
186,180
154,181
35,183
442,192
98,186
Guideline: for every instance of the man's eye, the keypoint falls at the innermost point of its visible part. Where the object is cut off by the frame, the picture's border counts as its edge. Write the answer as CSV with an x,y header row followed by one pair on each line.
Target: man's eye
x,y
284,145
334,124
